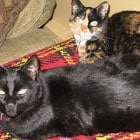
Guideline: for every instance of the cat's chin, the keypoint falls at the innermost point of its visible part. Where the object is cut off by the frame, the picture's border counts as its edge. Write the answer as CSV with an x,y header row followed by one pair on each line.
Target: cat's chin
x,y
11,114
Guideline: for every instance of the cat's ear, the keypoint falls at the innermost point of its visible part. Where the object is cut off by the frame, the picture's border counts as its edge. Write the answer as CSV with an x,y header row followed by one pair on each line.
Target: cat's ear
x,y
103,9
76,6
32,66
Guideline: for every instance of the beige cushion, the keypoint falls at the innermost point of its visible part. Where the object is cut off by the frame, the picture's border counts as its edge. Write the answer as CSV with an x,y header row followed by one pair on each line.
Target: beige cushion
x,y
27,43
33,16
27,36
9,12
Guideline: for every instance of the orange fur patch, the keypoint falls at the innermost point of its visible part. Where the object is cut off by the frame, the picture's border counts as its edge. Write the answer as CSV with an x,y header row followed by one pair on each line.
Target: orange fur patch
x,y
132,22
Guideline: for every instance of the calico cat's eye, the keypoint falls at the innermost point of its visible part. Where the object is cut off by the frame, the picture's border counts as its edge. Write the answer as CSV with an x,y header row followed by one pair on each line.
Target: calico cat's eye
x,y
79,20
2,92
22,91
93,23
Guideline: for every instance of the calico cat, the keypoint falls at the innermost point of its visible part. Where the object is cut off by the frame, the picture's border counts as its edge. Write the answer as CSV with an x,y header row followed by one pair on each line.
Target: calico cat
x,y
124,33
99,36
68,101
89,27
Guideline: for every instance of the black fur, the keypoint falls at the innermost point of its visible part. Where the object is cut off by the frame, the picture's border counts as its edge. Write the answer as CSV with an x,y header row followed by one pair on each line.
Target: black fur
x,y
81,99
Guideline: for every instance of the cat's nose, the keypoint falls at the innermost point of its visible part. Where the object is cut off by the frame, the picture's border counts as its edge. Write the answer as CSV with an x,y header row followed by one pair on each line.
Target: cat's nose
x,y
84,28
10,105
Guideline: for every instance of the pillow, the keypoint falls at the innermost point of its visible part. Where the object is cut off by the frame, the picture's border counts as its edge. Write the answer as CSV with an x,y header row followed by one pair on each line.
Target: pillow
x,y
34,15
26,35
9,12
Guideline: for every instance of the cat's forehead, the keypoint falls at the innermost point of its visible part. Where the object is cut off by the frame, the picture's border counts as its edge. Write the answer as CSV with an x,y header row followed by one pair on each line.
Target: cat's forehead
x,y
9,72
12,70
87,13
84,12
8,77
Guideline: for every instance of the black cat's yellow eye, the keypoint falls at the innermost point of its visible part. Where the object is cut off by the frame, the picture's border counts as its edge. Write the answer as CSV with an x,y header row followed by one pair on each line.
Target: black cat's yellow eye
x,y
2,92
78,20
22,91
94,23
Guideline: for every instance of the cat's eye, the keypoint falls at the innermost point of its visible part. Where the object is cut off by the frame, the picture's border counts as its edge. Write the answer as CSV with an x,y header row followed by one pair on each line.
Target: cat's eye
x,y
79,20
22,91
93,23
2,92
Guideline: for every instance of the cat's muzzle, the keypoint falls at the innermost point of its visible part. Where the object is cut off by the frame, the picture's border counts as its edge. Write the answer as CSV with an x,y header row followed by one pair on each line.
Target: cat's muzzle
x,y
11,109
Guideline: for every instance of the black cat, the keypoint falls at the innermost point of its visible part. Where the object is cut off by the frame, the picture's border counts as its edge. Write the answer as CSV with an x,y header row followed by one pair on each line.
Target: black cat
x,y
81,99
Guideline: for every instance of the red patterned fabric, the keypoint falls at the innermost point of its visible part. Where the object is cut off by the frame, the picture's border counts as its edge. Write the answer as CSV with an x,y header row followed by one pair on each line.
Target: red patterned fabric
x,y
111,136
59,55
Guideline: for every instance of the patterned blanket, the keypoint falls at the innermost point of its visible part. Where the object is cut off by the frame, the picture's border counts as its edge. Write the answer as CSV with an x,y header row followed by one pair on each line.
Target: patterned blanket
x,y
59,55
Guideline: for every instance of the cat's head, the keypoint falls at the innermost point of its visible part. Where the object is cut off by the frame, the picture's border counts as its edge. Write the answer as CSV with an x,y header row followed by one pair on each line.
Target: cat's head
x,y
88,23
19,87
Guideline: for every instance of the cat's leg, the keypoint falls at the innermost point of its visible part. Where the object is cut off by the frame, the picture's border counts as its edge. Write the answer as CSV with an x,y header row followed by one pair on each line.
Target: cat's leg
x,y
90,51
86,57
82,54
86,53
94,52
